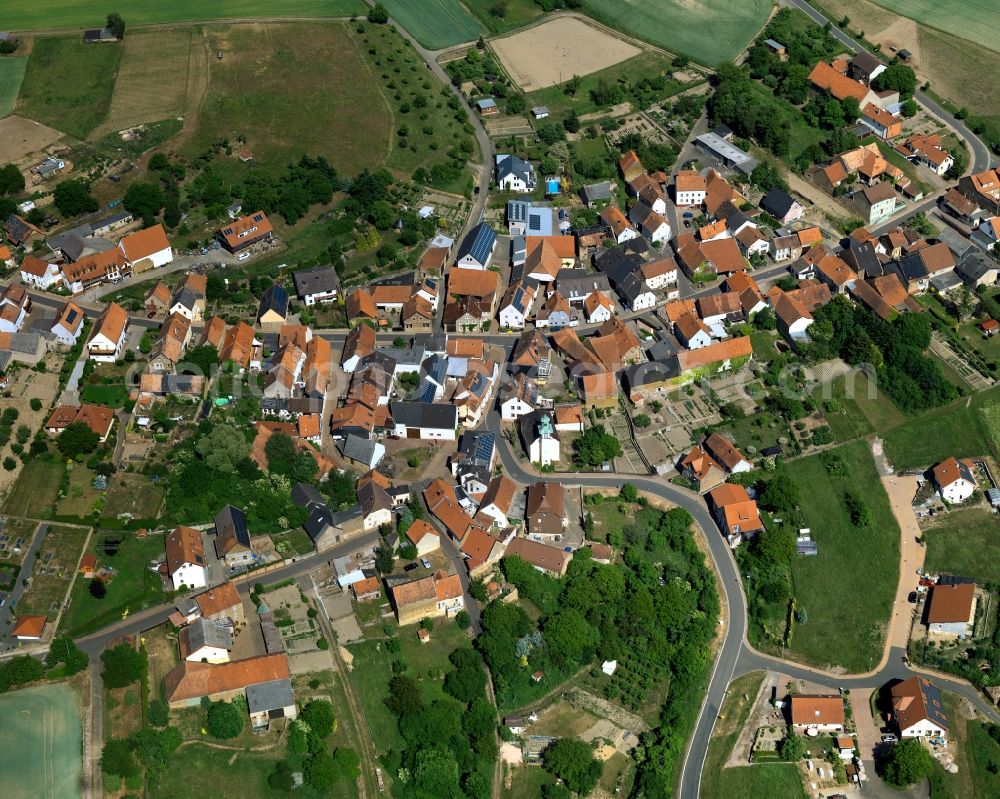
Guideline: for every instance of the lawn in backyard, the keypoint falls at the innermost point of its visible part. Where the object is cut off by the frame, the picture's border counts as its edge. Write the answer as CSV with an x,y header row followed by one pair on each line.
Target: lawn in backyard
x,y
113,396
780,781
133,586
81,496
11,74
957,541
855,573
68,84
436,24
758,430
58,556
134,494
709,31
968,427
854,407
35,489
527,782
371,671
31,15
734,713
646,64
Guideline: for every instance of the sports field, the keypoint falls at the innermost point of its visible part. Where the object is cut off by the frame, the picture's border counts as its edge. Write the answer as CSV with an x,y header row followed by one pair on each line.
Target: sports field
x,y
435,23
11,75
294,88
68,84
975,20
709,31
29,15
40,744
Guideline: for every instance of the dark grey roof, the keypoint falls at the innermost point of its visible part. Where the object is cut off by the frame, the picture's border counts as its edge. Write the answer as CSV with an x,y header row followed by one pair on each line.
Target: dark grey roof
x,y
113,219
403,356
777,202
205,632
274,298
598,191
305,494
478,244
357,448
865,62
373,498
911,267
977,266
184,297
513,165
273,695
527,425
233,519
517,210
320,518
425,414
25,342
861,256
319,280
479,447
644,374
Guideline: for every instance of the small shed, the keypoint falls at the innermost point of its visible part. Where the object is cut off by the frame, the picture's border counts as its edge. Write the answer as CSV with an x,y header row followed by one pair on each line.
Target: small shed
x,y
540,111
775,47
993,495
487,107
905,55
609,667
989,327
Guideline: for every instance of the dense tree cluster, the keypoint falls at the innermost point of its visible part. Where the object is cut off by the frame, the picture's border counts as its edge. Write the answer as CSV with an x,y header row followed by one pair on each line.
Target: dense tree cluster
x,y
123,665
312,181
72,198
906,763
893,349
18,671
659,606
596,446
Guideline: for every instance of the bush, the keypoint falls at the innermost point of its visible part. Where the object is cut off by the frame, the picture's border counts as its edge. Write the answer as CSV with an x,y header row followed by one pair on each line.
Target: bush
x,y
225,720
36,404
462,619
323,644
159,713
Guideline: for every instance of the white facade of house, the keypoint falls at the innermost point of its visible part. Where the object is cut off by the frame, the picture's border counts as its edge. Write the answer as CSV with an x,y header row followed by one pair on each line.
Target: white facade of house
x,y
511,317
101,349
662,281
643,301
425,433
627,234
691,197
182,310
658,234
14,325
191,575
544,450
210,654
158,258
883,209
700,339
958,490
495,513
925,728
798,329
600,315
514,407
64,335
377,518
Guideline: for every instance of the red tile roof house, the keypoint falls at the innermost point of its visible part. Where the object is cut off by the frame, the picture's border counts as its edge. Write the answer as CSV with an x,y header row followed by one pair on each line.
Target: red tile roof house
x,y
951,609
955,479
735,513
816,712
543,557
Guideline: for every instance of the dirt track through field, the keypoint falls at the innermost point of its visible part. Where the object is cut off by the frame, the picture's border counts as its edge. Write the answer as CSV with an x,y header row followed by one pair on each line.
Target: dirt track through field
x,y
553,52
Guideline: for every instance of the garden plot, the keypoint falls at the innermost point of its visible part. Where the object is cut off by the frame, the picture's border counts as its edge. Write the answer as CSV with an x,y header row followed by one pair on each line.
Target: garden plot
x,y
553,52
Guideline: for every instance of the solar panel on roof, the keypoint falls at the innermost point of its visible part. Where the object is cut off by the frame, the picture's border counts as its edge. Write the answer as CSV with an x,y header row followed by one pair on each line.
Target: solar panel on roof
x,y
535,222
484,445
71,317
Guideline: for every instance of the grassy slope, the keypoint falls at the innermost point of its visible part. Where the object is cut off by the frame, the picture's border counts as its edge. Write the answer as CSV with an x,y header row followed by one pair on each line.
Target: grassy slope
x,y
957,429
35,489
435,23
860,567
11,74
860,414
518,13
733,715
68,84
780,781
957,542
709,31
32,15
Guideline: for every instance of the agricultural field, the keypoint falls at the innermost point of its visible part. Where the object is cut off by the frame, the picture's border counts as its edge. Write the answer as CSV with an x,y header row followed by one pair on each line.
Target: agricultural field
x,y
290,89
35,490
752,782
27,15
859,566
11,74
974,20
548,54
132,588
957,541
68,84
19,137
162,74
436,24
708,31
40,744
968,427
58,556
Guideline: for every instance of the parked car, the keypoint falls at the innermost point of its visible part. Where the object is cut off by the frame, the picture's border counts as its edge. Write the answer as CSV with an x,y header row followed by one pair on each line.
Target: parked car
x,y
425,563
912,598
409,567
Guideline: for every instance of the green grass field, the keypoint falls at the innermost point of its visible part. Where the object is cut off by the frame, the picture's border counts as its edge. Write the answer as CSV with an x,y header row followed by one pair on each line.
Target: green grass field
x,y
957,541
967,19
517,13
853,410
436,24
68,84
114,396
11,74
133,587
634,69
733,715
27,15
292,89
780,781
959,429
35,489
40,744
855,574
135,494
709,31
